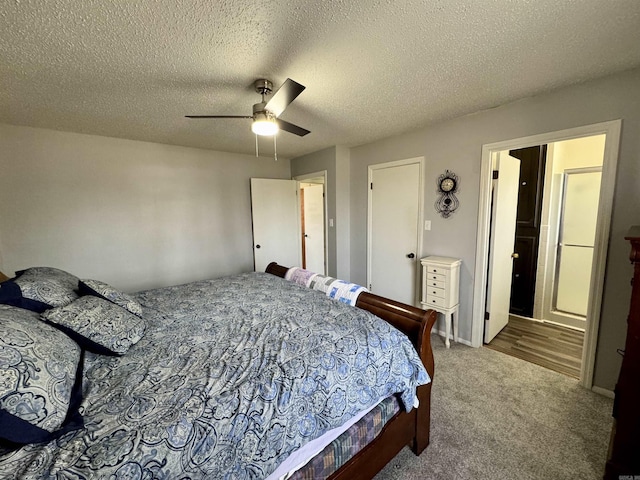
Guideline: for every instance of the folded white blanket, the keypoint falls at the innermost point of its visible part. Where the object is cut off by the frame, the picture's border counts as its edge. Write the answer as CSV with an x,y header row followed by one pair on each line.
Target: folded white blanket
x,y
339,290
321,282
345,292
300,276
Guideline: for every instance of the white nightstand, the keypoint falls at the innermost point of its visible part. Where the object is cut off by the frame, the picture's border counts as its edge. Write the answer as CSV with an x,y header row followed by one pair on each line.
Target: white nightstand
x,y
440,290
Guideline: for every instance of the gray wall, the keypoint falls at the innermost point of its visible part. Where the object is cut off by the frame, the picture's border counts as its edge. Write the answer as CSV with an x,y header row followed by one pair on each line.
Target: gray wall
x,y
317,162
181,214
456,145
343,211
134,214
335,160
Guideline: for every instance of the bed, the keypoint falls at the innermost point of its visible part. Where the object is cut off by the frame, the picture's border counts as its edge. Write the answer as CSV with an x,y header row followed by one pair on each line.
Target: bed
x,y
291,365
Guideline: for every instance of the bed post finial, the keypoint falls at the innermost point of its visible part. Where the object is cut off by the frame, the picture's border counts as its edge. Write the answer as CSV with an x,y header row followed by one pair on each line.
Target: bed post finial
x,y
278,270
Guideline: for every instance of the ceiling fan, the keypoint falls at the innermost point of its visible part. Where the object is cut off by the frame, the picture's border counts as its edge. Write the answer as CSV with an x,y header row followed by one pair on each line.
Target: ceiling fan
x,y
265,114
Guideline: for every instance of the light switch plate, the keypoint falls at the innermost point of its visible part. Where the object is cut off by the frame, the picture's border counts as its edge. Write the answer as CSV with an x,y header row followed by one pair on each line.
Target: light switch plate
x,y
427,224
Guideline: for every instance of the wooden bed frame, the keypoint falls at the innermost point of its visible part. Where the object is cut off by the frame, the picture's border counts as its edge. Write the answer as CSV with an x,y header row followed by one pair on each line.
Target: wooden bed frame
x,y
404,428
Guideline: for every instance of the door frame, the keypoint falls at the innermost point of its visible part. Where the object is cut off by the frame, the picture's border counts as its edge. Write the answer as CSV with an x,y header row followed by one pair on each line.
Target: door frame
x,y
612,131
302,178
398,163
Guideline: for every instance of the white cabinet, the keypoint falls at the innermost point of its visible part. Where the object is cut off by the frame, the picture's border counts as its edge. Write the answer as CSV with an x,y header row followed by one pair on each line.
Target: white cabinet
x,y
440,289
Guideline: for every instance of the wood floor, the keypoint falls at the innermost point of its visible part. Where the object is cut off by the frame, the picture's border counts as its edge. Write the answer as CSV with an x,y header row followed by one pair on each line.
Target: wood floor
x,y
547,345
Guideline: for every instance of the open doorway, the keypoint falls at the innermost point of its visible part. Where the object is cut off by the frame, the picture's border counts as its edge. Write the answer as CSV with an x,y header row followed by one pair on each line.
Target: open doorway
x,y
553,225
611,132
313,231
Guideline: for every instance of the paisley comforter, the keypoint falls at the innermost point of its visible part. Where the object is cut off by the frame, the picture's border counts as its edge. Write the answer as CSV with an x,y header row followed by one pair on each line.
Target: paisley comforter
x,y
231,376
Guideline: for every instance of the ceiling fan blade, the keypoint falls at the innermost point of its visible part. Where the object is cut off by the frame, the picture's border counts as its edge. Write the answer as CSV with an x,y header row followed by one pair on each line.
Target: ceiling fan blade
x,y
286,94
218,116
291,128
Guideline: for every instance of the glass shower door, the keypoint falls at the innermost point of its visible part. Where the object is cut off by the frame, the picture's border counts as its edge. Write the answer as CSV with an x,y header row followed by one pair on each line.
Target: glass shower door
x,y
576,240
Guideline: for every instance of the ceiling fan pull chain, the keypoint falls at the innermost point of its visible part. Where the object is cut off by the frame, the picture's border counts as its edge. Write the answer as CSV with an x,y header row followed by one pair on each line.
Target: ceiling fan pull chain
x,y
256,145
275,149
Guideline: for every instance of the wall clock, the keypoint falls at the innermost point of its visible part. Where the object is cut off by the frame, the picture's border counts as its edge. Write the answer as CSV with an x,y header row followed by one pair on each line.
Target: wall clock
x,y
447,202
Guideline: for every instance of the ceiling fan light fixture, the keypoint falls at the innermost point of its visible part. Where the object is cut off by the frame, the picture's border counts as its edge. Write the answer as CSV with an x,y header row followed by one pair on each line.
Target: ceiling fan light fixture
x,y
264,123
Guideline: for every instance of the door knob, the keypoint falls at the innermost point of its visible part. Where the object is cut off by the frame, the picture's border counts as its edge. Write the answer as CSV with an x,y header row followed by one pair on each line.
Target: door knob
x,y
257,246
515,255
411,255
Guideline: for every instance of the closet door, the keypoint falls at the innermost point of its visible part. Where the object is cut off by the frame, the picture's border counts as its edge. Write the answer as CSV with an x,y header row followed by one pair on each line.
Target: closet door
x,y
276,227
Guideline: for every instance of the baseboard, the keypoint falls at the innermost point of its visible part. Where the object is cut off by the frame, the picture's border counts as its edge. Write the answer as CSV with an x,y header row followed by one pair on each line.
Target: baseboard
x,y
460,340
603,391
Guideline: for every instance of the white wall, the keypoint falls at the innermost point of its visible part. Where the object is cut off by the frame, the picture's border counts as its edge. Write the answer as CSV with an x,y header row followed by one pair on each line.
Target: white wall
x,y
456,145
134,214
578,153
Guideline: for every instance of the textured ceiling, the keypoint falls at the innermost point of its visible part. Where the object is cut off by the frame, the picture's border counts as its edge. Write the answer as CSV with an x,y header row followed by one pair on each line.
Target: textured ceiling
x,y
372,68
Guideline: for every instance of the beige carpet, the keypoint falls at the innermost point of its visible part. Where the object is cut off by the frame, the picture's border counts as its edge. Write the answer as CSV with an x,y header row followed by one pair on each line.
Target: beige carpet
x,y
498,417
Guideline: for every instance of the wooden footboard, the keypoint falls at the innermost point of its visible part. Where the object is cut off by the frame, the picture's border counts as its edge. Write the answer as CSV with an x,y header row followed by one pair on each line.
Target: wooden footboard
x,y
404,428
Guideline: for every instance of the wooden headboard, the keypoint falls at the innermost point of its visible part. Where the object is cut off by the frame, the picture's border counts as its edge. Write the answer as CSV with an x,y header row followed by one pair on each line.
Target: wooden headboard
x,y
3,277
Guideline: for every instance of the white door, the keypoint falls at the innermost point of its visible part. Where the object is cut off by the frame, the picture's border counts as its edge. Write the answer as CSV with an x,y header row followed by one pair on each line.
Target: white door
x,y
313,208
393,242
274,211
503,232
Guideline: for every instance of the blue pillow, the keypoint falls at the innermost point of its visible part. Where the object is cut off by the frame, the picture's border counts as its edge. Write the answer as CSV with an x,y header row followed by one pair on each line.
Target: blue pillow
x,y
10,294
50,286
98,325
39,288
40,379
106,291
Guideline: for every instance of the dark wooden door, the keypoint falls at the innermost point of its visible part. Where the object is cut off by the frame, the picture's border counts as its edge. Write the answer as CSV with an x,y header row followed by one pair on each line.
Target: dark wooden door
x,y
532,165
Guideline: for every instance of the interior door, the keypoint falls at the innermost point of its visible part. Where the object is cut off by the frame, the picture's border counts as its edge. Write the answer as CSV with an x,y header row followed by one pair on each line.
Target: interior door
x,y
394,231
503,230
530,196
313,214
274,211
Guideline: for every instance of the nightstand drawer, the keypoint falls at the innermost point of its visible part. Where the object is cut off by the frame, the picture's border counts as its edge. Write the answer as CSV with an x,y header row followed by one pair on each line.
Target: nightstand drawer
x,y
437,270
437,301
436,292
436,277
436,283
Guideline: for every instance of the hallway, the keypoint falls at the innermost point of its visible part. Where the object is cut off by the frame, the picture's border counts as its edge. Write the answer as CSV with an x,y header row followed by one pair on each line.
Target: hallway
x,y
550,346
